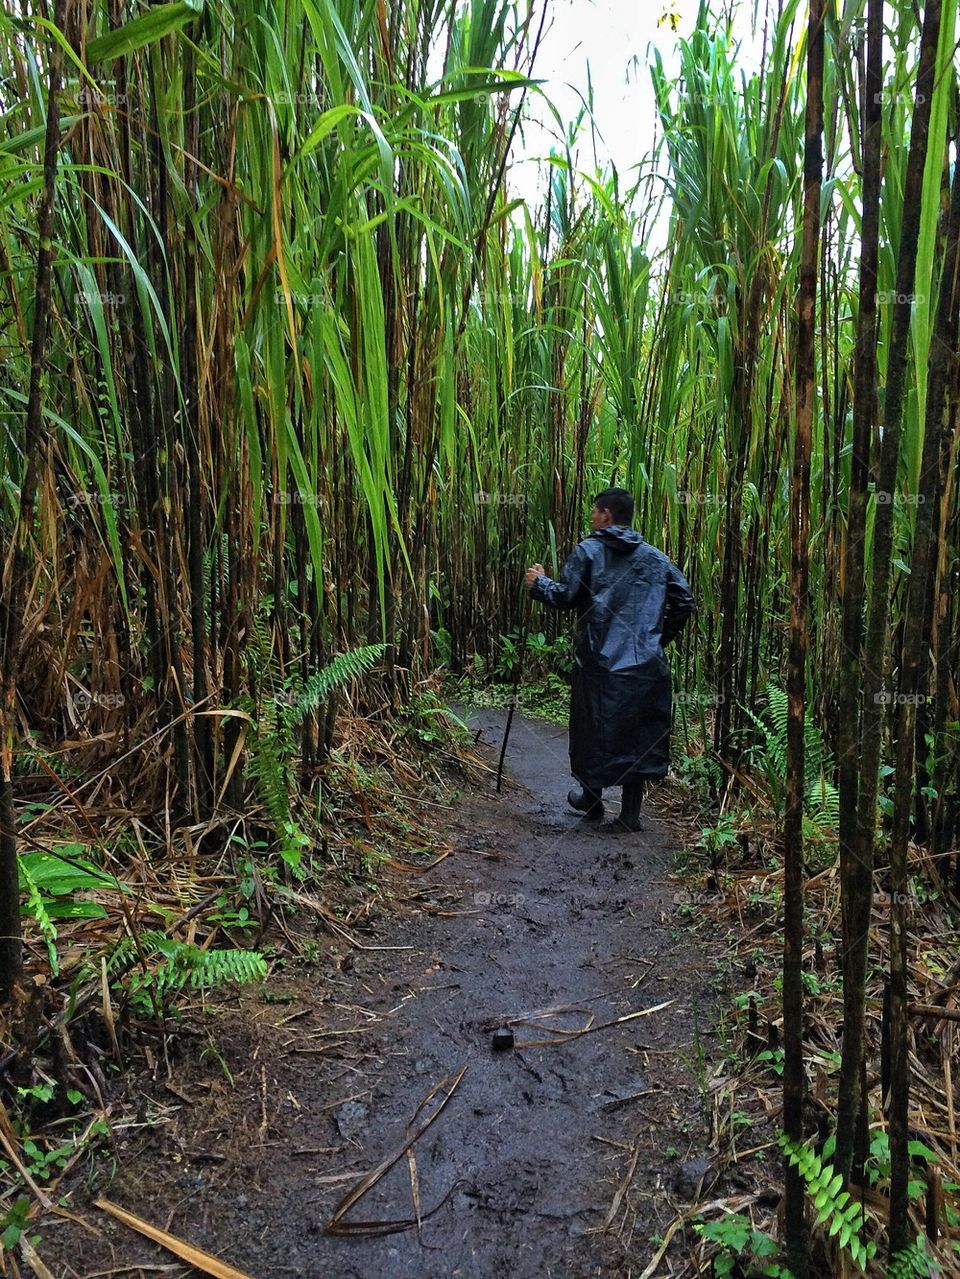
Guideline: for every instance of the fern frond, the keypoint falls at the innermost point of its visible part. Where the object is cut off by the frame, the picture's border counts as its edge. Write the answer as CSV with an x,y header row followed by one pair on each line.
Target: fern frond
x,y
272,748
913,1262
182,964
345,666
221,545
821,798
268,763
121,956
823,802
778,708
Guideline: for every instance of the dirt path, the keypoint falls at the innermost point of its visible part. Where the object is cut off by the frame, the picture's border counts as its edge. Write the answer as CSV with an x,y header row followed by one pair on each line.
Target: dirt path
x,y
534,909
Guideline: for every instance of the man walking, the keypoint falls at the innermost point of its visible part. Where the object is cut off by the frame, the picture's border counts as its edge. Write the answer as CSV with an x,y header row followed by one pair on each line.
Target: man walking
x,y
631,601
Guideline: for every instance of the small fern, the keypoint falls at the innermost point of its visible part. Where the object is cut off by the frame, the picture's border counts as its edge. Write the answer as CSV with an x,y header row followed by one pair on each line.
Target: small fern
x,y
273,745
913,1262
345,666
821,797
823,803
836,1209
180,965
215,560
268,765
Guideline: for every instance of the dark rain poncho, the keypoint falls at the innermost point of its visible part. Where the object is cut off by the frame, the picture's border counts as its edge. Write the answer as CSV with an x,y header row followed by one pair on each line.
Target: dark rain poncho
x,y
630,602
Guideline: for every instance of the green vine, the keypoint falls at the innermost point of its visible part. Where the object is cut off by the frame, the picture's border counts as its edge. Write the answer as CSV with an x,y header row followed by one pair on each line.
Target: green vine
x,y
842,1215
36,907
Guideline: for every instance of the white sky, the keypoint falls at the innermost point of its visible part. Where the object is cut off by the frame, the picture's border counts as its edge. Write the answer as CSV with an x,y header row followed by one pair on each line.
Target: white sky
x,y
612,37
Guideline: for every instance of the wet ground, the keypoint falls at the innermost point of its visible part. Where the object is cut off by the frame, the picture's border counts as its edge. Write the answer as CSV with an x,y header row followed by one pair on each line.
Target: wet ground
x,y
563,1159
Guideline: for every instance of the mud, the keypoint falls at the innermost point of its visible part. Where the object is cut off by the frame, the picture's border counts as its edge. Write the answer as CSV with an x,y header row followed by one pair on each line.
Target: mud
x,y
247,1153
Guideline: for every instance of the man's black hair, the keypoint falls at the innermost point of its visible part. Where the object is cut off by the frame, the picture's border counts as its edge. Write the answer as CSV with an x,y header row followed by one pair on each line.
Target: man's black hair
x,y
618,502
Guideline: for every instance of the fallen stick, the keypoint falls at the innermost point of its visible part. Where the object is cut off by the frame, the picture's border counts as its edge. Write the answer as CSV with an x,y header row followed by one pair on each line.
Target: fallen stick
x,y
337,1226
566,1036
417,870
698,1210
303,900
197,1258
32,1260
934,1010
8,1140
624,1186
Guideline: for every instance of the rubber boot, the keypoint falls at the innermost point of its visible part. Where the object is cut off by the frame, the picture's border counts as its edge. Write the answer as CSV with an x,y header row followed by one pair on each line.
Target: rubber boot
x,y
587,801
630,803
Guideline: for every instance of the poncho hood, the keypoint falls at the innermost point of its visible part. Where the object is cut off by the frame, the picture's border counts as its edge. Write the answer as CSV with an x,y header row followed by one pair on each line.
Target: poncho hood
x,y
619,538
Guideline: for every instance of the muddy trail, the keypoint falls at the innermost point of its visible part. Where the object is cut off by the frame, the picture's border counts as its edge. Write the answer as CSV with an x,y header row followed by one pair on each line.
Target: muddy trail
x,y
562,1159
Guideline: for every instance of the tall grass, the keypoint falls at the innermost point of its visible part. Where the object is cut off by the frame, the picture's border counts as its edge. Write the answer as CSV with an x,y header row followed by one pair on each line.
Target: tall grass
x,y
266,249
311,365
310,362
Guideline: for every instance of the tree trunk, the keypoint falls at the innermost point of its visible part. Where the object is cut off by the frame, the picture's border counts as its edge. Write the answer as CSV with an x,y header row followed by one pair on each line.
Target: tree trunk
x,y
35,445
857,876
943,357
795,1230
875,652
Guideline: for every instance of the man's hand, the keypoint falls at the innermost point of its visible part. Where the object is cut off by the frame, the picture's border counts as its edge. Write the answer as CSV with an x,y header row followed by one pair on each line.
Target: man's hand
x,y
531,575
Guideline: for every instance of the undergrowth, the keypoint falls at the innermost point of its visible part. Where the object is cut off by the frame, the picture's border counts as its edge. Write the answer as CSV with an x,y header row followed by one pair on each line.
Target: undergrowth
x,y
730,872
131,927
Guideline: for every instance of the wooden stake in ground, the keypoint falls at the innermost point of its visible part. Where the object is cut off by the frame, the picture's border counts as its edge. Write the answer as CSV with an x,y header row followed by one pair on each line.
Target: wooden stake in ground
x,y
521,647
